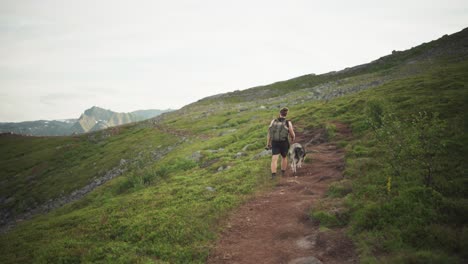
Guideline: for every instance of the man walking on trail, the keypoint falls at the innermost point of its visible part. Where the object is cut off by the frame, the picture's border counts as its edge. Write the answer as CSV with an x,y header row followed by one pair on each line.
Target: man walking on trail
x,y
279,132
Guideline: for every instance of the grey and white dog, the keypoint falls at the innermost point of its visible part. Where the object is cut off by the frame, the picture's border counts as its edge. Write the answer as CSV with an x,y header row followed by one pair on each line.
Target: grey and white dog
x,y
296,155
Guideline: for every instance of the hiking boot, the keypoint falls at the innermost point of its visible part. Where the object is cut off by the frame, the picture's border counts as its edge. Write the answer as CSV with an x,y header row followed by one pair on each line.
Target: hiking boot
x,y
283,173
273,175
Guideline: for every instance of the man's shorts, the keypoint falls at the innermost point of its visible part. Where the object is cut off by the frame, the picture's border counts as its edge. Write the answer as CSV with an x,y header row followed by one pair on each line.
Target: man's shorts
x,y
280,147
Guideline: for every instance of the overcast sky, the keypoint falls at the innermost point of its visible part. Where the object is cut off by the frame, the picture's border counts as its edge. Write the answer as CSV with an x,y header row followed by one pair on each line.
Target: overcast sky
x,y
58,58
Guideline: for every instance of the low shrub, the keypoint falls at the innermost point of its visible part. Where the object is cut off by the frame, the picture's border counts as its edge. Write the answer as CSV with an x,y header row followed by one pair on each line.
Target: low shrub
x,y
339,189
330,219
424,257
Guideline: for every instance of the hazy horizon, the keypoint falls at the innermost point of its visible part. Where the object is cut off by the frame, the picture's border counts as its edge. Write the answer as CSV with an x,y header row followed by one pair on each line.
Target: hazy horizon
x,y
77,117
59,58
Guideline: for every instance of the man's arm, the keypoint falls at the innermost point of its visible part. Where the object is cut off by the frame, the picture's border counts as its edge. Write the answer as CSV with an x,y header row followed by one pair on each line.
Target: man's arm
x,y
291,132
268,140
268,135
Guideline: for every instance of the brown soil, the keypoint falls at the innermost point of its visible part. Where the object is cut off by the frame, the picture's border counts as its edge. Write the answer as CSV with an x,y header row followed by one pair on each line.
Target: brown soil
x,y
275,227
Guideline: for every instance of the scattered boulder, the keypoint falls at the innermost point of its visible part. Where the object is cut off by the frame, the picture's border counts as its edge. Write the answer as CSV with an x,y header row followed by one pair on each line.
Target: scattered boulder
x,y
239,154
222,168
306,260
208,163
227,132
214,150
307,242
262,154
196,156
210,189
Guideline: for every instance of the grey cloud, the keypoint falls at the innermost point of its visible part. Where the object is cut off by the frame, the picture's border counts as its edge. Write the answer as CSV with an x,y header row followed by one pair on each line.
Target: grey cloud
x,y
54,99
122,55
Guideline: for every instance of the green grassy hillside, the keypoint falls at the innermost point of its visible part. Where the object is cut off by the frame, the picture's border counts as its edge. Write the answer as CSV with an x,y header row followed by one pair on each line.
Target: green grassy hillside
x,y
38,169
187,169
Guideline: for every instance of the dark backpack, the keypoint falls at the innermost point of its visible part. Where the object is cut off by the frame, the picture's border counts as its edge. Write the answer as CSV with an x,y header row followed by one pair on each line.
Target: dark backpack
x,y
279,130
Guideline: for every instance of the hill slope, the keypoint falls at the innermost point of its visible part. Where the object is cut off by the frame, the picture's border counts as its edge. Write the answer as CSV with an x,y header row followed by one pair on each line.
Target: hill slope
x,y
190,167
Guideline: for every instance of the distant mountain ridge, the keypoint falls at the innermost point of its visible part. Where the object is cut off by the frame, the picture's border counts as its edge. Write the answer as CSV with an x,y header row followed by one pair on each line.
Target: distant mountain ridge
x,y
93,119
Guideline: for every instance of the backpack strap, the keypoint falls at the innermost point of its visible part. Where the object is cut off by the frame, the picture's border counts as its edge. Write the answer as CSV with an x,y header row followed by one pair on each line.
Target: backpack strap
x,y
285,122
272,121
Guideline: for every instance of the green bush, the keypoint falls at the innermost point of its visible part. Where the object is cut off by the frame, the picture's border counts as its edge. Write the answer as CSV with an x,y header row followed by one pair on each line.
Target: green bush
x,y
339,189
413,145
375,111
330,220
123,185
415,205
425,257
412,212
443,237
464,242
325,219
454,211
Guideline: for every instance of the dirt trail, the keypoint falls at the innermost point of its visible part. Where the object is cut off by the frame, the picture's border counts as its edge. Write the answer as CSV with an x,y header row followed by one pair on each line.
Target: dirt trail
x,y
275,227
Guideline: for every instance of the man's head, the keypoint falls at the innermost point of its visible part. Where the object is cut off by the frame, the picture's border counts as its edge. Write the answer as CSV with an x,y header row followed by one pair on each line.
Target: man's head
x,y
284,111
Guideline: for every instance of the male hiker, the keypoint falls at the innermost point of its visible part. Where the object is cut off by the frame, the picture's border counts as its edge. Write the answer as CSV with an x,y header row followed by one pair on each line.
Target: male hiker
x,y
279,132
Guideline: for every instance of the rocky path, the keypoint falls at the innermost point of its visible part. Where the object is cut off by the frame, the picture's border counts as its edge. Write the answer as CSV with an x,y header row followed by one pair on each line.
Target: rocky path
x,y
275,227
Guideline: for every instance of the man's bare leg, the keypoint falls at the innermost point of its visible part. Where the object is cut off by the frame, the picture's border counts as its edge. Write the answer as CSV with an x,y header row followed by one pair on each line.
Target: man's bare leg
x,y
274,165
284,165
